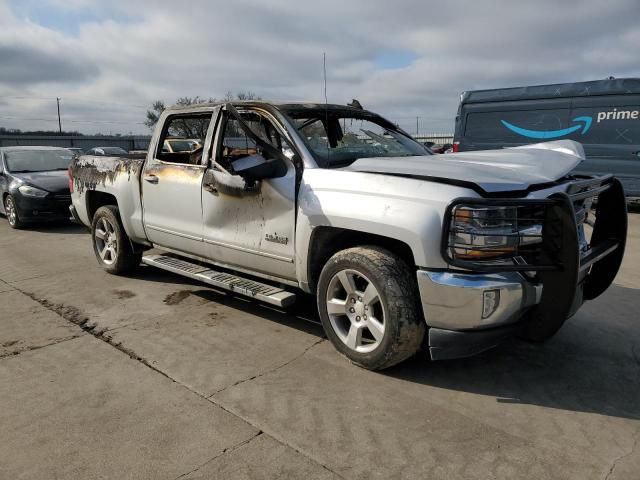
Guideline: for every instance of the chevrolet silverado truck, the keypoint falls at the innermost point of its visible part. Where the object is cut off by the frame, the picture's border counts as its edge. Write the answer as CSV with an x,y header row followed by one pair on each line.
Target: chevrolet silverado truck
x,y
402,249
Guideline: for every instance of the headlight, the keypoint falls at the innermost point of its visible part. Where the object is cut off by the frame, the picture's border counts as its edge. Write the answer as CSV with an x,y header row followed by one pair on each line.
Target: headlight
x,y
29,191
479,233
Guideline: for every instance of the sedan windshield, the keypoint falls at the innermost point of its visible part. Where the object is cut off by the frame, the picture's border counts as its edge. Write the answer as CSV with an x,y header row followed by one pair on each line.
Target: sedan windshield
x,y
337,138
38,160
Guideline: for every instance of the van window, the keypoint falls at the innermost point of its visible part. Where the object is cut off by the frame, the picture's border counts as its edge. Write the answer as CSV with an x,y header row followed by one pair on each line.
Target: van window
x,y
610,125
491,127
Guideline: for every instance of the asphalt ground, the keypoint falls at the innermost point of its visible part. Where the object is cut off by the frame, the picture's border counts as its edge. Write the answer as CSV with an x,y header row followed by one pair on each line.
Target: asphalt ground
x,y
157,377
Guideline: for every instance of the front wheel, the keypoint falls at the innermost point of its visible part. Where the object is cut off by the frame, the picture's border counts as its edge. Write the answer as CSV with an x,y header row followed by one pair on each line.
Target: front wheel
x,y
11,211
368,305
111,243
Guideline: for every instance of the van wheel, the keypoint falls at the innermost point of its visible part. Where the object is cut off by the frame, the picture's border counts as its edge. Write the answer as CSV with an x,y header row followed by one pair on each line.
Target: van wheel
x,y
368,305
110,242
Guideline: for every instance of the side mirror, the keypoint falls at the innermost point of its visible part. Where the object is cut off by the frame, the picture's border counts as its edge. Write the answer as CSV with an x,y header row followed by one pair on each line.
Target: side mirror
x,y
256,167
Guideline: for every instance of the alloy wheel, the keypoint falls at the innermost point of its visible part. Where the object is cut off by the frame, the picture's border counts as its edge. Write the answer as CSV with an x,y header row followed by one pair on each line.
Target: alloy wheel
x,y
356,311
10,210
106,242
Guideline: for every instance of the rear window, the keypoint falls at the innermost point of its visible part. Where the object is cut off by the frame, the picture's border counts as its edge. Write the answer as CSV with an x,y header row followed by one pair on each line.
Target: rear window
x,y
588,125
511,126
610,125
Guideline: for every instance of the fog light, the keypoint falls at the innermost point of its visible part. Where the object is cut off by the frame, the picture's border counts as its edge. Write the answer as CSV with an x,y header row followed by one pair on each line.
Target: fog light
x,y
491,301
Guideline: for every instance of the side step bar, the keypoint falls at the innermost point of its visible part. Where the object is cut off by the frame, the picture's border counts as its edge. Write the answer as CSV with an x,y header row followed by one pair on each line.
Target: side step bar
x,y
242,286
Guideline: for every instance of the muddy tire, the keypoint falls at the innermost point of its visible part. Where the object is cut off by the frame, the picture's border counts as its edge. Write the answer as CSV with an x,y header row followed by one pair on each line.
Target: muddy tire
x,y
11,212
111,244
368,304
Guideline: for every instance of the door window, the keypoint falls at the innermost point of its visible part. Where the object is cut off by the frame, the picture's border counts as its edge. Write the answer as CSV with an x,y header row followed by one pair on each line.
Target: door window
x,y
183,137
238,143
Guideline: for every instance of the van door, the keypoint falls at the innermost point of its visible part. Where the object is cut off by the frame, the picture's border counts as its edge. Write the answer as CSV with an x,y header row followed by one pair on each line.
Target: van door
x,y
172,183
250,227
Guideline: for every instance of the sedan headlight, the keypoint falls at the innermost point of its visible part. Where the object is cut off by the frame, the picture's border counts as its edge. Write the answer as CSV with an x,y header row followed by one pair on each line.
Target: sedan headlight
x,y
494,233
29,191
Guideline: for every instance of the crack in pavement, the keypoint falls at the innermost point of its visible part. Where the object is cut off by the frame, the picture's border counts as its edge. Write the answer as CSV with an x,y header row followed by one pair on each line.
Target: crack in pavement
x,y
622,457
271,370
77,317
37,347
224,452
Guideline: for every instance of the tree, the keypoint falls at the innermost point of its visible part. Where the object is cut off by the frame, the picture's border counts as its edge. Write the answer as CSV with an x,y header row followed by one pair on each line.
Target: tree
x,y
158,106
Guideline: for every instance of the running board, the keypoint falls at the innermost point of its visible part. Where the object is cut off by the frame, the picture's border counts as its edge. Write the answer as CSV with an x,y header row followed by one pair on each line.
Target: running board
x,y
250,288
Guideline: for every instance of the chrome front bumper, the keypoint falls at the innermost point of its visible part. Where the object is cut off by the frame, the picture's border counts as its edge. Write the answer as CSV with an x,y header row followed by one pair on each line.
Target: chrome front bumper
x,y
462,301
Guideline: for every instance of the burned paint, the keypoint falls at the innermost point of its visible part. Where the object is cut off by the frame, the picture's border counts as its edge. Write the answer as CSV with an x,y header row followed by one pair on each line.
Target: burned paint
x,y
177,172
88,172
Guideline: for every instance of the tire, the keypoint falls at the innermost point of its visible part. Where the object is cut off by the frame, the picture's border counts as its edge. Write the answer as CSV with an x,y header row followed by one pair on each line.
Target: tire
x,y
11,212
111,244
392,305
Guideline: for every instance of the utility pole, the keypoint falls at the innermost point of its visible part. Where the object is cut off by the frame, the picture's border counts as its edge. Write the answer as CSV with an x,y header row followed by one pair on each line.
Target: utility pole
x,y
417,126
59,122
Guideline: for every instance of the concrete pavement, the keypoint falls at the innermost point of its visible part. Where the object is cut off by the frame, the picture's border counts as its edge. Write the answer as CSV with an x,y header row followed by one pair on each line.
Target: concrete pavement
x,y
154,376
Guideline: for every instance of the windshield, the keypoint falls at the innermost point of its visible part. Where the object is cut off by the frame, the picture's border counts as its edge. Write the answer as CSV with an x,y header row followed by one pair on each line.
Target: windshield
x,y
38,160
338,138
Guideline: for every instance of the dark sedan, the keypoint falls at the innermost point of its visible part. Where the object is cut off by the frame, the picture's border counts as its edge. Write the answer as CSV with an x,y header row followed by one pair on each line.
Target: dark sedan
x,y
34,184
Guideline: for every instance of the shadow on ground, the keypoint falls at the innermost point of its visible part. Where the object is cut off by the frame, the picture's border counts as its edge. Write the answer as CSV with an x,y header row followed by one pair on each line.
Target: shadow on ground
x,y
569,372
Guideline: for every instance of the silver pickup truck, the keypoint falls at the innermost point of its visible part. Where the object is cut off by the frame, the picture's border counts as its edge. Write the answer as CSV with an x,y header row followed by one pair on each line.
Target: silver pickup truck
x,y
402,249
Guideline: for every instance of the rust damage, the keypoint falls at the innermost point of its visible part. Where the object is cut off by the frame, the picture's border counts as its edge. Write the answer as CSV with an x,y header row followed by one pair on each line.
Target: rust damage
x,y
88,173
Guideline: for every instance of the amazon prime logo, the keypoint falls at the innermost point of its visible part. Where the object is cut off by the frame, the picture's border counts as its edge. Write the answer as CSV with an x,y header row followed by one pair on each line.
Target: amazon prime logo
x,y
584,123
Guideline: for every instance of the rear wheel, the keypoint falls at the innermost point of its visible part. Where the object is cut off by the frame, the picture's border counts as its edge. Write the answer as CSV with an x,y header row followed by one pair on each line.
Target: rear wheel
x,y
110,242
11,211
368,305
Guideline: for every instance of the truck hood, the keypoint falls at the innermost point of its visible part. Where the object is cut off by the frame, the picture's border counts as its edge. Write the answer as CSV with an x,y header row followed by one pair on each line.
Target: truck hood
x,y
493,171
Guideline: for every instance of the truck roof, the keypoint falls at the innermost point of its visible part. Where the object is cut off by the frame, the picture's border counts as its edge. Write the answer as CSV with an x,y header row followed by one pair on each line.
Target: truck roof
x,y
556,90
282,106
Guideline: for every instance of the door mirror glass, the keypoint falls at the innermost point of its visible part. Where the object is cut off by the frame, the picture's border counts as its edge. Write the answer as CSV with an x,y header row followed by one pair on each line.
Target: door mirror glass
x,y
256,167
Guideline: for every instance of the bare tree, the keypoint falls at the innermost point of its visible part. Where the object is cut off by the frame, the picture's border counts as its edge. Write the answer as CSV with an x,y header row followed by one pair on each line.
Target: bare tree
x,y
153,115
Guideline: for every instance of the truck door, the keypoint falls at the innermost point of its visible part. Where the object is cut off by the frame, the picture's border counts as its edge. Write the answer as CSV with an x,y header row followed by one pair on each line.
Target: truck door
x,y
172,183
250,226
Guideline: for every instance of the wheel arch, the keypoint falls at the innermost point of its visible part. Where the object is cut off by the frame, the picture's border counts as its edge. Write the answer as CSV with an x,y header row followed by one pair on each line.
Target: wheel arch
x,y
326,241
96,199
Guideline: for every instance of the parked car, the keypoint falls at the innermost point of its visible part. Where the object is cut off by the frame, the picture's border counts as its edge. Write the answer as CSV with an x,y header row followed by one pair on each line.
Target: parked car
x,y
34,184
75,150
440,148
396,244
106,151
603,115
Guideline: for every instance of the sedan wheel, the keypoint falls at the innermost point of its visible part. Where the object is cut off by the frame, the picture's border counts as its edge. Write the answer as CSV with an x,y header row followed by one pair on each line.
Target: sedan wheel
x,y
11,211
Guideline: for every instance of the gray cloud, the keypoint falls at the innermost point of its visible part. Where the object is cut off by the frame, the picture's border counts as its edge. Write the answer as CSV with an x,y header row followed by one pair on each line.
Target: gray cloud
x,y
25,65
275,49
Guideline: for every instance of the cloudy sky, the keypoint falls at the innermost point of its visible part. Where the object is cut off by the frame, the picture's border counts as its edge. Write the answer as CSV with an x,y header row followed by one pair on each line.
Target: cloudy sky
x,y
109,60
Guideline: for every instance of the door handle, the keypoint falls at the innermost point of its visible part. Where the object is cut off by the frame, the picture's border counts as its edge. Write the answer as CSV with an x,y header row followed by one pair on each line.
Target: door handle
x,y
210,187
151,179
